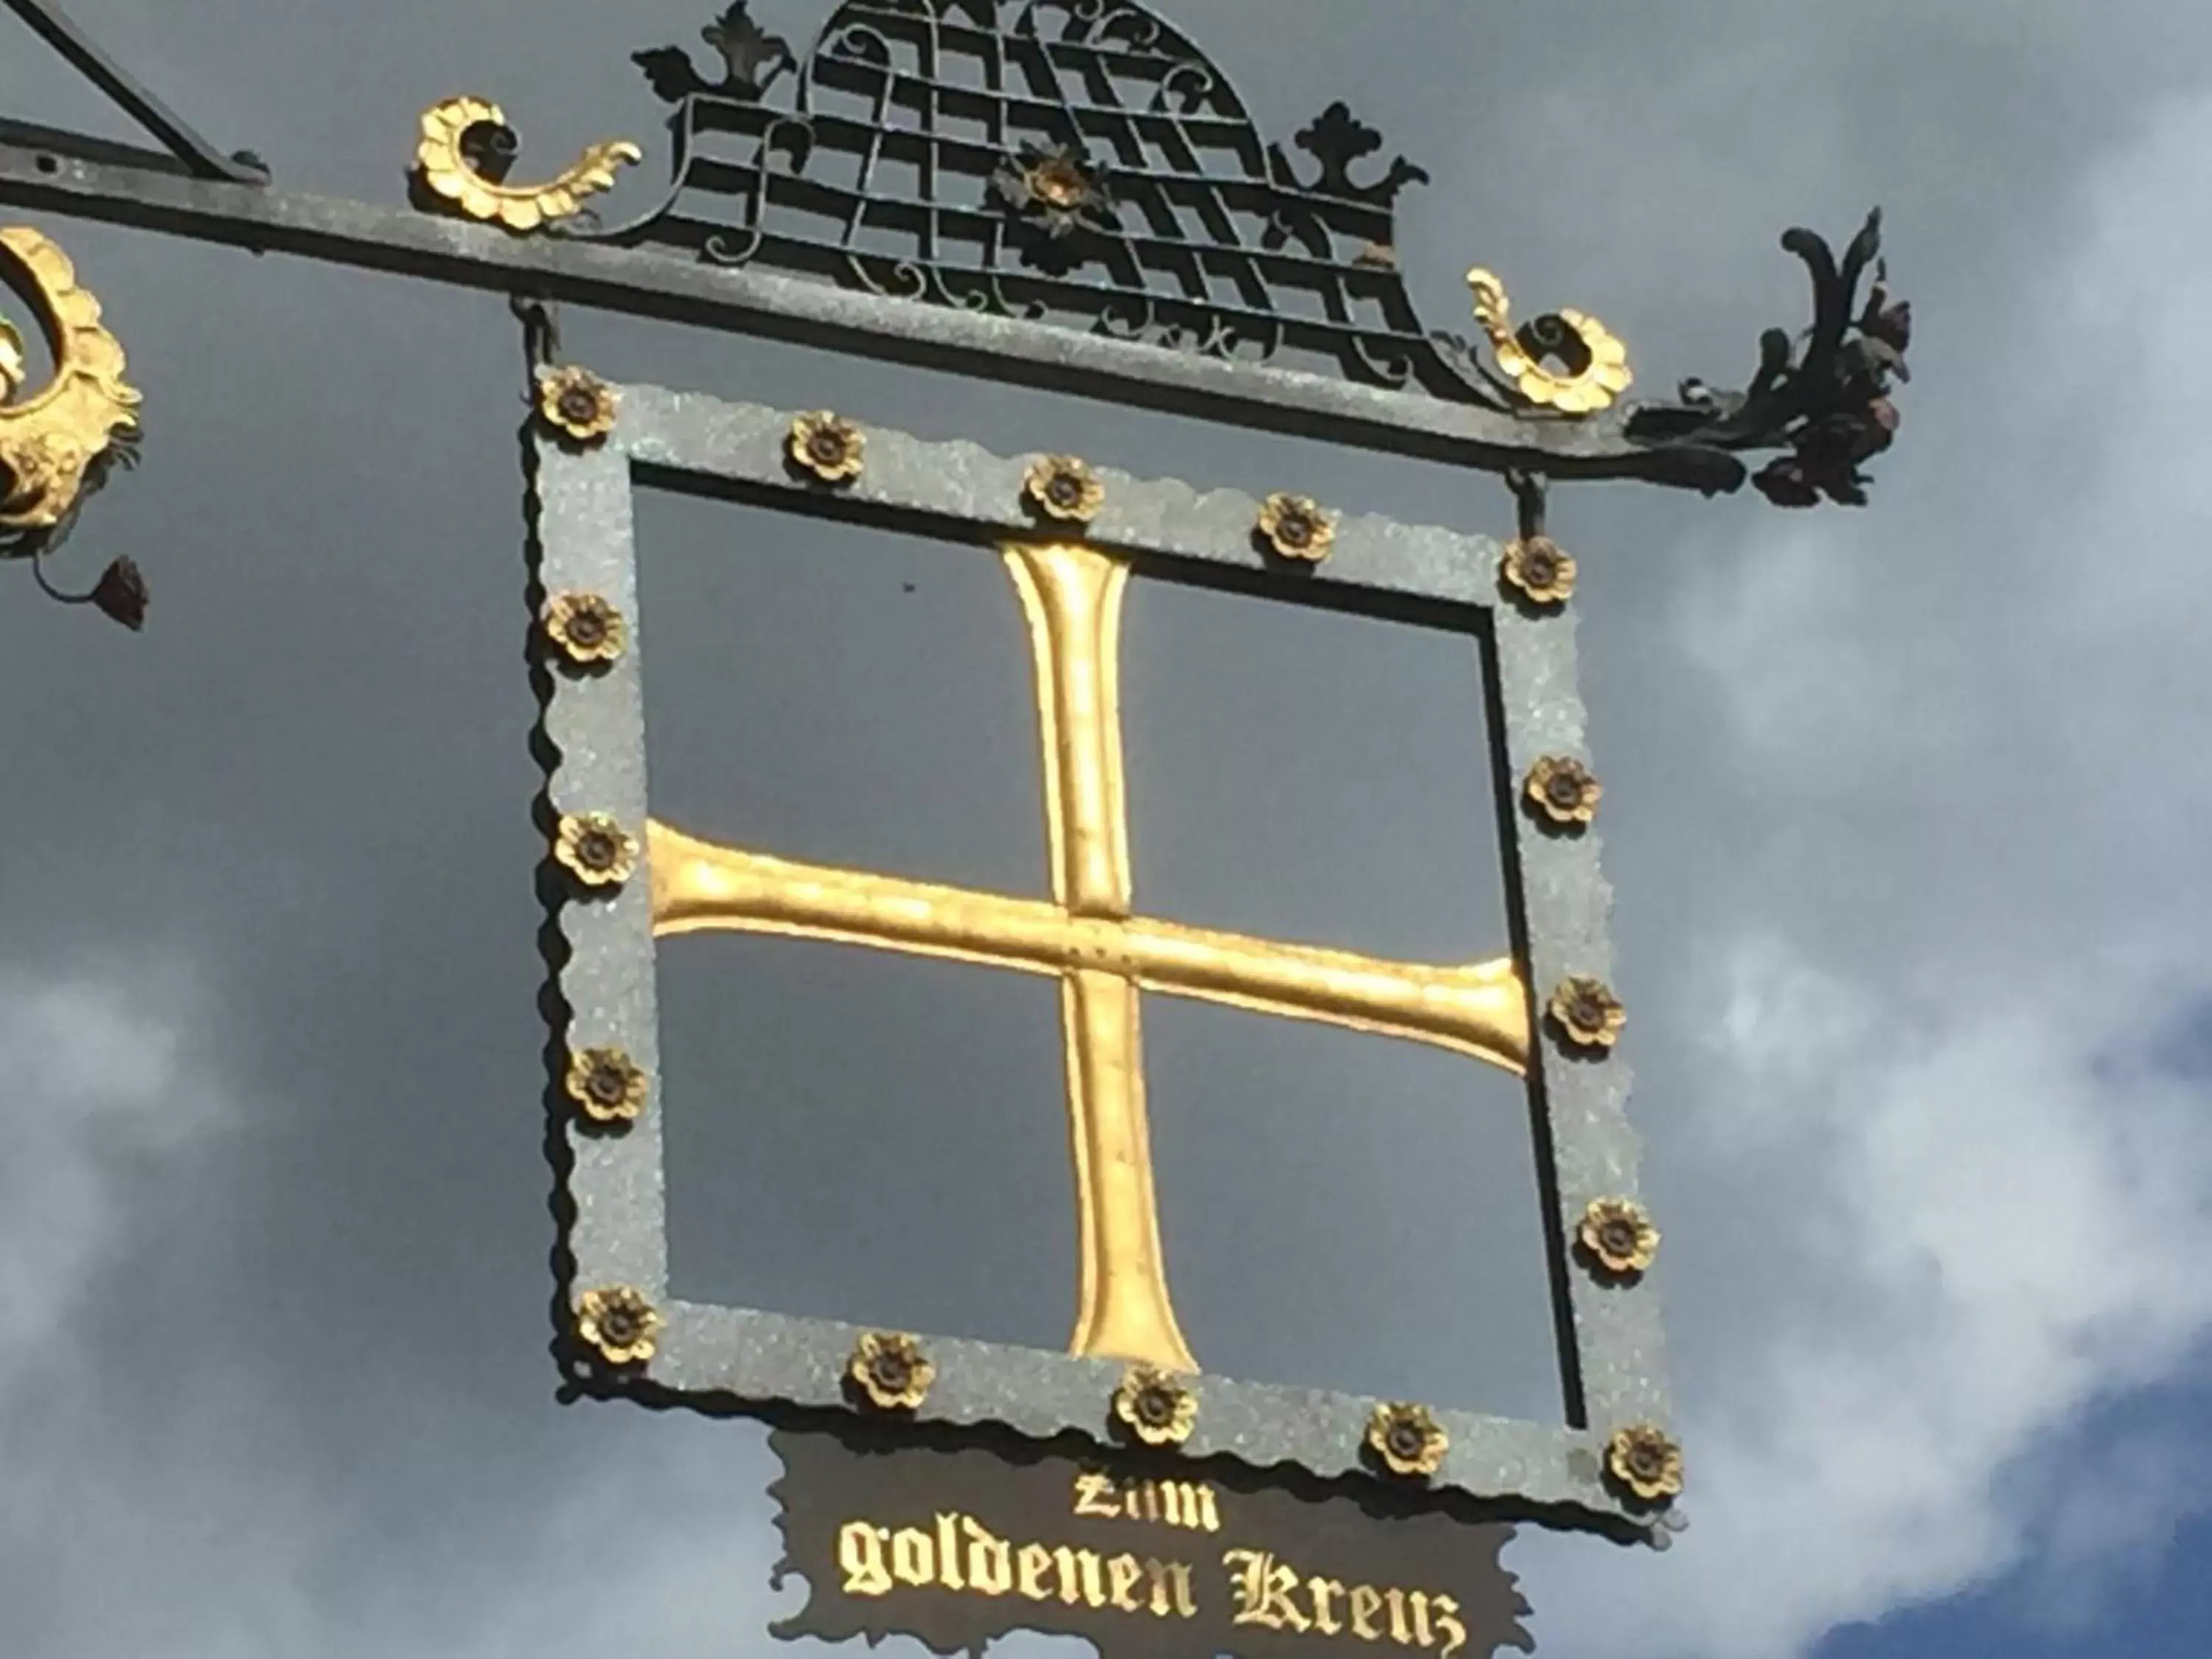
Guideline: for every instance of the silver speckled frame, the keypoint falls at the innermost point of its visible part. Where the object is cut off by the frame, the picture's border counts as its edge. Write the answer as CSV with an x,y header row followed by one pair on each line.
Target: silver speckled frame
x,y
613,1201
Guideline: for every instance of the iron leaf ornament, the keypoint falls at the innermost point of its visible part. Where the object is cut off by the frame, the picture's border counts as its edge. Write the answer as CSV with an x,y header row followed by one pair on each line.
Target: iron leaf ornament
x,y
751,59
1825,397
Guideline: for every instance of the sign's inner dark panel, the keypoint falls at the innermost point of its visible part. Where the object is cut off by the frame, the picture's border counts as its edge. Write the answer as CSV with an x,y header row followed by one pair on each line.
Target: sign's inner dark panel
x,y
882,1137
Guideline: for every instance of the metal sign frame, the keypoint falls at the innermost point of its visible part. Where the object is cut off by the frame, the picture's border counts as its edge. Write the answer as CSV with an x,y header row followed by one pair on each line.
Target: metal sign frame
x,y
1608,1328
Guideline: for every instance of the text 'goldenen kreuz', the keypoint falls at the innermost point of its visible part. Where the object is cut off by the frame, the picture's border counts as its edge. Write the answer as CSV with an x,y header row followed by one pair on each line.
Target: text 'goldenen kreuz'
x,y
957,1554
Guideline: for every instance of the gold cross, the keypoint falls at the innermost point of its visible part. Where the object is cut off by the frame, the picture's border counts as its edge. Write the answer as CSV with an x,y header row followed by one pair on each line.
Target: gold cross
x,y
1102,954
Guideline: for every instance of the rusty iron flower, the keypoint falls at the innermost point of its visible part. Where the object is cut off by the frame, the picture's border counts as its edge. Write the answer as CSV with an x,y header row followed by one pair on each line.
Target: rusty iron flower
x,y
1588,1012
1562,790
1297,527
577,404
1158,1408
1056,187
586,628
1646,1460
1618,1235
607,1084
120,593
891,1370
1539,568
597,850
1064,488
1407,1438
619,1322
827,446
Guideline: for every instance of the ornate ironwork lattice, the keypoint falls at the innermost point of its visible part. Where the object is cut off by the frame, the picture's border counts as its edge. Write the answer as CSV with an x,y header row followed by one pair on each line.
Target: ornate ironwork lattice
x,y
1078,161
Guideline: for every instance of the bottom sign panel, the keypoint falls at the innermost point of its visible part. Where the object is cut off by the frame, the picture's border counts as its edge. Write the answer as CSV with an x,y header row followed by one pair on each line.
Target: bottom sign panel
x,y
959,1544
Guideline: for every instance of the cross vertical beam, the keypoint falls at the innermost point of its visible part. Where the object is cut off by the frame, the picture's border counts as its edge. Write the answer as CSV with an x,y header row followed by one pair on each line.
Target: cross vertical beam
x,y
1072,600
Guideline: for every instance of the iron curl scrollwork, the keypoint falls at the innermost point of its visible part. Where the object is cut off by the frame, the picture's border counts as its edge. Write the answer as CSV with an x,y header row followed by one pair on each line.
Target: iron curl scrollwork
x,y
1081,163
1823,396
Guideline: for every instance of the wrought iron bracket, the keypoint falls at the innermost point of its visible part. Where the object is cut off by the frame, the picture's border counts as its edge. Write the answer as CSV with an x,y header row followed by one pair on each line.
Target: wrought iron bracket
x,y
772,306
186,147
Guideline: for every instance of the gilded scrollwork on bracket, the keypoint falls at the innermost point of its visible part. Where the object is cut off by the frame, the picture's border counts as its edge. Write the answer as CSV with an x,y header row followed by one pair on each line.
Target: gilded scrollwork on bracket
x,y
56,443
1593,365
462,160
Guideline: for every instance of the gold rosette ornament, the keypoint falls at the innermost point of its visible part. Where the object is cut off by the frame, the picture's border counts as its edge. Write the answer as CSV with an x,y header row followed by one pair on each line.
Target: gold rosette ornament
x,y
1562,790
827,446
1593,365
607,1084
1539,569
577,404
1588,1012
476,186
890,1368
586,627
1159,1409
1618,1236
1064,488
1297,527
1647,1461
619,1322
1407,1438
595,849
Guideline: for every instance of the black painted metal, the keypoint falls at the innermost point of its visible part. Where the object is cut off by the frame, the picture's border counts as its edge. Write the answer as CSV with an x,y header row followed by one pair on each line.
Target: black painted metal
x,y
201,159
805,311
901,157
1083,200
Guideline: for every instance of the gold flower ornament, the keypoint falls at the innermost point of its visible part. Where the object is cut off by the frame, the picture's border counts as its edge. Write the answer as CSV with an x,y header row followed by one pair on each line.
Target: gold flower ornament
x,y
1297,527
577,404
1562,790
586,627
1587,1012
1647,1461
1618,1235
1407,1438
1065,487
619,1322
1539,569
595,849
890,1368
829,445
607,1084
1159,1409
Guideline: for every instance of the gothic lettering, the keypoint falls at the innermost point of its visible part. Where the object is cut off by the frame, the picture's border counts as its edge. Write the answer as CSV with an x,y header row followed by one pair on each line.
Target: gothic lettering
x,y
958,1554
990,1559
1170,1582
1078,1576
1265,1590
913,1558
1189,1504
1325,1620
1365,1604
1122,1575
1035,1561
860,1553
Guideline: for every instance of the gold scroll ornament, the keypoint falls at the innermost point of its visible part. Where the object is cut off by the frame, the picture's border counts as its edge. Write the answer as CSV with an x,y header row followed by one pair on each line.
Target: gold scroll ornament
x,y
1597,373
1103,955
50,439
443,166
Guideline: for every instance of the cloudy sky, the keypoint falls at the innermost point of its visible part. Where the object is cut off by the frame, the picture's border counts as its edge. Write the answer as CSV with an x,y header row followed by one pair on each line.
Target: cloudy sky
x,y
1902,810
